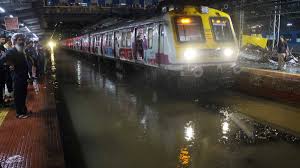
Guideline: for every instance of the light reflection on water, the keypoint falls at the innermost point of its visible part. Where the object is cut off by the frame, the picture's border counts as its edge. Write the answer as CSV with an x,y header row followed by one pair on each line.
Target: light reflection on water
x,y
189,131
52,58
184,158
78,71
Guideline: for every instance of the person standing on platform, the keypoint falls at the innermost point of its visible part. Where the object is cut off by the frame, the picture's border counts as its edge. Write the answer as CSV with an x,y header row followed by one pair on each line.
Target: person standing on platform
x,y
8,45
32,60
17,60
31,57
40,59
282,52
2,71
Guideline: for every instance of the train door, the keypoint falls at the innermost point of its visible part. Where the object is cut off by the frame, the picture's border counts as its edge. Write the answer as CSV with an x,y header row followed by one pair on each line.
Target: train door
x,y
139,43
101,45
95,44
98,45
81,44
104,43
116,44
149,54
161,40
88,43
92,44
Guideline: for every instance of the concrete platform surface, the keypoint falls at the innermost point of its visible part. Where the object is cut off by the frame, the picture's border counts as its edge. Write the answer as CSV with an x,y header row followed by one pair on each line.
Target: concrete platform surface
x,y
272,84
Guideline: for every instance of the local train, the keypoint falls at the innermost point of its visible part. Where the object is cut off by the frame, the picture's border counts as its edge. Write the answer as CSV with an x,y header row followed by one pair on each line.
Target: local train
x,y
189,40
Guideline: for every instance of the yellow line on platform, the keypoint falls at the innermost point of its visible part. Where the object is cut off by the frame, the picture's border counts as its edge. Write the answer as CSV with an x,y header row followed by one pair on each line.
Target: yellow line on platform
x,y
3,114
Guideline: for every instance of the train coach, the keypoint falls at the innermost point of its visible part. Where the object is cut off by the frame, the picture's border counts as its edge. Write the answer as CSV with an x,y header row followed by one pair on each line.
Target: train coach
x,y
189,40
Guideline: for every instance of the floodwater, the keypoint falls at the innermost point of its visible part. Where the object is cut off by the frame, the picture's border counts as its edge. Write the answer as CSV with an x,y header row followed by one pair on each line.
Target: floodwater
x,y
111,121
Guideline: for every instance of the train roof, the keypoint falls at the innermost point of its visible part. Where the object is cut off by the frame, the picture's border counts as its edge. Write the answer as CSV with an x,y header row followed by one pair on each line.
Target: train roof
x,y
125,24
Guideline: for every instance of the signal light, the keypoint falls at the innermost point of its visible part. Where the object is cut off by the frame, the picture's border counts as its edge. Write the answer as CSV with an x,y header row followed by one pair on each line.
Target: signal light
x,y
185,20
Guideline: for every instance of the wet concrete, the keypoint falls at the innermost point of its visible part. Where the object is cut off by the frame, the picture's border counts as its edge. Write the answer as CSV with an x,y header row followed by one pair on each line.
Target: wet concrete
x,y
110,121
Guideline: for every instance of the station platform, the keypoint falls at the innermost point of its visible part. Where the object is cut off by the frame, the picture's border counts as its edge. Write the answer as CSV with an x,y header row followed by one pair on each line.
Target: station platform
x,y
33,142
277,85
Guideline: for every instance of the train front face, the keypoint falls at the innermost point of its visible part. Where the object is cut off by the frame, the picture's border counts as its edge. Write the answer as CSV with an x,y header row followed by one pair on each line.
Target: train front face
x,y
204,41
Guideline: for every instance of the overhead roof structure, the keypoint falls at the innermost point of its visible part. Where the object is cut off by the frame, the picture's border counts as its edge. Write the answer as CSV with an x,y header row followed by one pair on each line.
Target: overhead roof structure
x,y
28,15
43,20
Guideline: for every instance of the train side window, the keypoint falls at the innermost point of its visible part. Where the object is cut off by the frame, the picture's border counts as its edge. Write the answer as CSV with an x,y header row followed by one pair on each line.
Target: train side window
x,y
298,38
150,38
110,37
123,39
128,39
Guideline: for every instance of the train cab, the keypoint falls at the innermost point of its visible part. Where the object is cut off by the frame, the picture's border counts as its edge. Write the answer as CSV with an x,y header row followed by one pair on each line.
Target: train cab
x,y
202,37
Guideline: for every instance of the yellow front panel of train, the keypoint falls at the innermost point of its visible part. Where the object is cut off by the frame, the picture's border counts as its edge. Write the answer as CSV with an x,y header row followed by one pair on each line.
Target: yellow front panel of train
x,y
203,37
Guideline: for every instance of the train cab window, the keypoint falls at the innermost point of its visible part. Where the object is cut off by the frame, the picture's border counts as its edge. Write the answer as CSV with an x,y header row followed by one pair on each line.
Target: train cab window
x,y
221,29
189,29
150,38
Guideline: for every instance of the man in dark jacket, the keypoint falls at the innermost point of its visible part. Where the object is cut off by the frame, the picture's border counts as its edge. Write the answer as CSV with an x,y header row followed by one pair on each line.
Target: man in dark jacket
x,y
16,58
282,52
2,70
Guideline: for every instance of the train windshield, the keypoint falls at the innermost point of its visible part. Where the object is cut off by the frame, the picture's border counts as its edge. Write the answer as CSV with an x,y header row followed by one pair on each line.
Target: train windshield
x,y
221,29
189,29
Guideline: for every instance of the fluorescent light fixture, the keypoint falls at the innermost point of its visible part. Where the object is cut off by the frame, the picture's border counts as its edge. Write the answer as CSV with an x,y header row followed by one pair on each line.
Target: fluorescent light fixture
x,y
35,36
11,16
2,10
27,29
289,24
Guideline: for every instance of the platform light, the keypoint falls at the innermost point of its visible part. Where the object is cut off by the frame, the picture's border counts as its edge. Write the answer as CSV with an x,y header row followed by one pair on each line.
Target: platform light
x,y
2,10
11,16
51,44
185,20
21,24
289,24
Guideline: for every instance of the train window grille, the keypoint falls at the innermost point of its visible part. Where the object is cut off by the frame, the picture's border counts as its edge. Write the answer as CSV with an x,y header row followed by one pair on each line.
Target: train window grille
x,y
189,29
221,29
128,39
123,39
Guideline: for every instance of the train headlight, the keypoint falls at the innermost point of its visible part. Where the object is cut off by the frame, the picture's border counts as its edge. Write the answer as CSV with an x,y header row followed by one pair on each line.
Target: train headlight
x,y
228,52
189,54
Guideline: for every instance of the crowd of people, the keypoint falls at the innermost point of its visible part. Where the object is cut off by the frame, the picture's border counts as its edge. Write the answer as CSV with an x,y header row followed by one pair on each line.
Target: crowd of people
x,y
22,62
